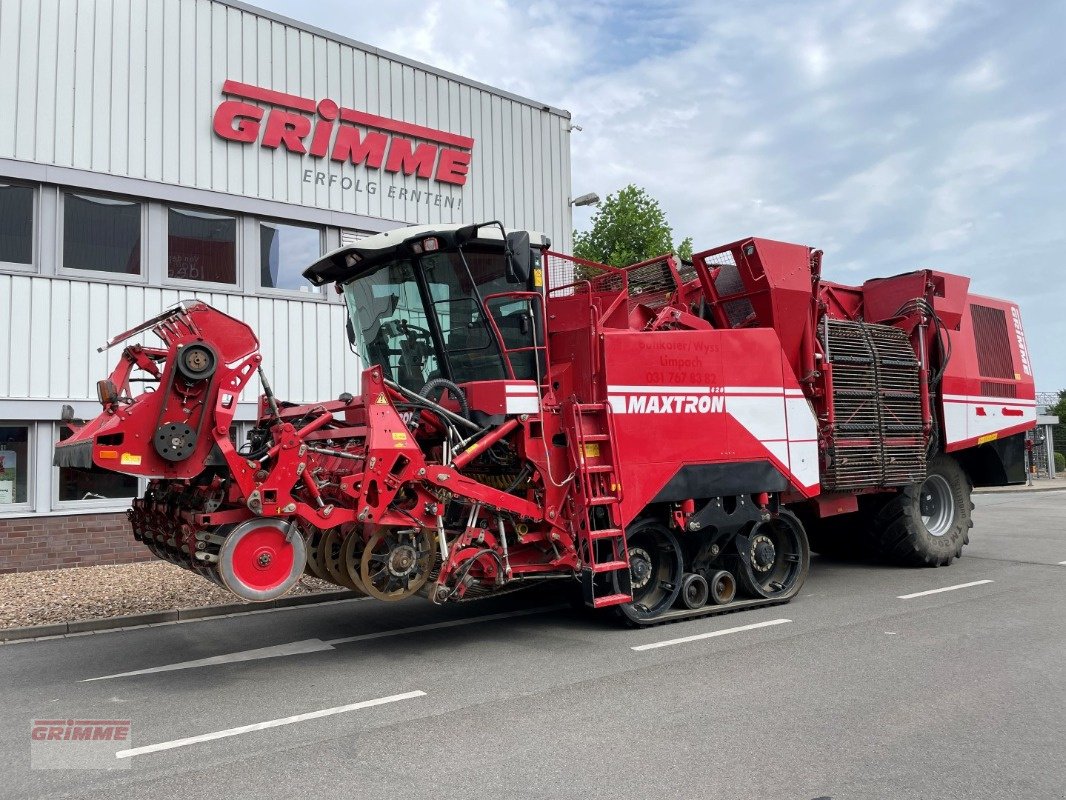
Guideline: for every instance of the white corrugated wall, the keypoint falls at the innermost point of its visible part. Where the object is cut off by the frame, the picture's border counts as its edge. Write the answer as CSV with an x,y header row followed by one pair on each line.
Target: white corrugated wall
x,y
128,87
57,325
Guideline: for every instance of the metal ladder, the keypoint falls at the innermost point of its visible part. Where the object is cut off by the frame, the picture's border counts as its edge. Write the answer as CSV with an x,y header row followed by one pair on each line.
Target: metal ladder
x,y
603,549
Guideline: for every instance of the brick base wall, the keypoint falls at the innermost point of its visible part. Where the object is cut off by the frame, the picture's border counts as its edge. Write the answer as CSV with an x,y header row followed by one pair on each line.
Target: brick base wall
x,y
34,543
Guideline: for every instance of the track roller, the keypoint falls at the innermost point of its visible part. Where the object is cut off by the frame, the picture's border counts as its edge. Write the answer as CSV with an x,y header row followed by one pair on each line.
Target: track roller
x,y
694,590
723,587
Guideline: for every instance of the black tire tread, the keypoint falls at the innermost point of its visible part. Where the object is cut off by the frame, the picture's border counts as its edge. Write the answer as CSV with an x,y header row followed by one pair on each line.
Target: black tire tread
x,y
900,535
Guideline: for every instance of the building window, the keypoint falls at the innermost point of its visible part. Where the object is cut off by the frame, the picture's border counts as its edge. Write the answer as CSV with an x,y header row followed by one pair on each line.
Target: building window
x,y
285,252
16,224
102,234
95,484
201,246
14,465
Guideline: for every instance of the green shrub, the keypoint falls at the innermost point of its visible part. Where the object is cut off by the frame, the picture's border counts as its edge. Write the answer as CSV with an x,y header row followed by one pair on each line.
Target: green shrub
x,y
1060,463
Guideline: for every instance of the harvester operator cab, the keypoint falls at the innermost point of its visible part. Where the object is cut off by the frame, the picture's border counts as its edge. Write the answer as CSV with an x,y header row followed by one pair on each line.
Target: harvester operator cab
x,y
459,303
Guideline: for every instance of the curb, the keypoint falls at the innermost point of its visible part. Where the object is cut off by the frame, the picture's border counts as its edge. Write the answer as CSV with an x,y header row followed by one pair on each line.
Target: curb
x,y
175,615
1024,489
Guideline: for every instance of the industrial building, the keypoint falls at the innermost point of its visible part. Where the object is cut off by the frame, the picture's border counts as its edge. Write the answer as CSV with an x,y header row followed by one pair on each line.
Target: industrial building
x,y
167,149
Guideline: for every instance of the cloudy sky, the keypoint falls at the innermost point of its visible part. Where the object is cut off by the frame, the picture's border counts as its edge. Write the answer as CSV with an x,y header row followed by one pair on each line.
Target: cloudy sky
x,y
891,134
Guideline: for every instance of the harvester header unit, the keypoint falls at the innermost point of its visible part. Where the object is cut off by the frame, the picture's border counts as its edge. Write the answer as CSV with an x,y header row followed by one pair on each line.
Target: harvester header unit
x,y
671,435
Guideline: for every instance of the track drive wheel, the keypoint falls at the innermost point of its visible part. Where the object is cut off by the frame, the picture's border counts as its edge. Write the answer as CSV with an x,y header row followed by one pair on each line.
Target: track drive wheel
x,y
261,559
396,563
656,568
774,558
928,523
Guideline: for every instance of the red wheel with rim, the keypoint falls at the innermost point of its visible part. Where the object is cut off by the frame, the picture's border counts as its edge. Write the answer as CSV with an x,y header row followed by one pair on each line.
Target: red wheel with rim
x,y
260,561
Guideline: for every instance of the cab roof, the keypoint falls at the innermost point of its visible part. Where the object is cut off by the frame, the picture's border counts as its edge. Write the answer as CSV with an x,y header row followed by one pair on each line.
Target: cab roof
x,y
349,261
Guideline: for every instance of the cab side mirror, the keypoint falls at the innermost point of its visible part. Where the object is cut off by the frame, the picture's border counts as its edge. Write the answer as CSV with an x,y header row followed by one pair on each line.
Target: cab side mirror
x,y
519,257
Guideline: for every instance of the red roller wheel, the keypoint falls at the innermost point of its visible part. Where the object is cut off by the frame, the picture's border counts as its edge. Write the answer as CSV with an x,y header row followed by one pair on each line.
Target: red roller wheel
x,y
259,561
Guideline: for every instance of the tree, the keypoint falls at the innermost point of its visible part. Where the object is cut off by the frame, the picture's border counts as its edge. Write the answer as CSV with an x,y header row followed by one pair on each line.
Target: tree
x,y
629,227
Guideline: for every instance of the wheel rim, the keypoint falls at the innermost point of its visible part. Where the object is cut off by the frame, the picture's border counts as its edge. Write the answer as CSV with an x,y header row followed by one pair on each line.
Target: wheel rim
x,y
260,560
396,564
936,503
332,557
655,567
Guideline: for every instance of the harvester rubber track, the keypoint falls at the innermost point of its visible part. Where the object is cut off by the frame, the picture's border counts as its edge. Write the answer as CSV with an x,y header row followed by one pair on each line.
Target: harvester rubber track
x,y
685,614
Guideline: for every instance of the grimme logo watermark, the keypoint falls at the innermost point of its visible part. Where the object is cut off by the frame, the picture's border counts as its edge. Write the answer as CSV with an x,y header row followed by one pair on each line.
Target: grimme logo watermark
x,y
78,743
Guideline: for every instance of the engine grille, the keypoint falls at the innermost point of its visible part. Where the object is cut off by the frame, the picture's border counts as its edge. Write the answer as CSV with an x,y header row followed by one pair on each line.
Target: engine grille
x,y
876,438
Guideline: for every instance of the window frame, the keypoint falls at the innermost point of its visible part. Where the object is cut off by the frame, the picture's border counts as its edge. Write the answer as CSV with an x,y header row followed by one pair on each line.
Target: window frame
x,y
64,271
20,509
240,280
102,504
35,229
317,293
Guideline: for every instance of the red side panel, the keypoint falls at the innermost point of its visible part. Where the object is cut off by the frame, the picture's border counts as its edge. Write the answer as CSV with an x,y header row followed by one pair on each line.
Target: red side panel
x,y
988,386
705,397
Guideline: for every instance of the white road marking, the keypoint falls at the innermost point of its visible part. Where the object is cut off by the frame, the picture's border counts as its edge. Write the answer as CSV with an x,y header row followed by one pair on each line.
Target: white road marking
x,y
288,649
1062,563
318,645
710,635
943,589
455,623
261,726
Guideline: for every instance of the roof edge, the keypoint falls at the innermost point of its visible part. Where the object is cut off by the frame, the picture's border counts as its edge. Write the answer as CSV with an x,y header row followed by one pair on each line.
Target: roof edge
x,y
240,5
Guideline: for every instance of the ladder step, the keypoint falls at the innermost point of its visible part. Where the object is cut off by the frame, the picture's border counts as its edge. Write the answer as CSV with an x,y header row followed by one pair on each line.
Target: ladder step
x,y
595,437
606,533
600,468
609,566
606,500
611,600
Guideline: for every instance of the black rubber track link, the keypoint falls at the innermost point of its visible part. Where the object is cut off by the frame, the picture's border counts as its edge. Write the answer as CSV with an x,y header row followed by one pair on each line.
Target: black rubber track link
x,y
685,614
903,538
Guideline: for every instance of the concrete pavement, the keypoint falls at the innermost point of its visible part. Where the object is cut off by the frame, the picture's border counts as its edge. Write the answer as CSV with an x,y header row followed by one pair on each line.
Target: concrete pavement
x,y
858,694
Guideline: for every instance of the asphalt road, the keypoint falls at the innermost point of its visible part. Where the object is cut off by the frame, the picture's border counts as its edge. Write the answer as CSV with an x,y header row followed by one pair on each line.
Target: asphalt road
x,y
859,694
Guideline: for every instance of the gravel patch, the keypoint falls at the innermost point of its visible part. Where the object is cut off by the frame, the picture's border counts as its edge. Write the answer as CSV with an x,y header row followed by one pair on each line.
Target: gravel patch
x,y
77,593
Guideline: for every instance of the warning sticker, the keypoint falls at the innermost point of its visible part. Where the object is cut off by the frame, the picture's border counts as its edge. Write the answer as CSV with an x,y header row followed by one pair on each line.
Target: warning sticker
x,y
131,459
382,400
592,450
538,277
399,436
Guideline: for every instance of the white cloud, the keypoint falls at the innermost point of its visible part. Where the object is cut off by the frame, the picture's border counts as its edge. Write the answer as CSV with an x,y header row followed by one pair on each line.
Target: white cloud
x,y
985,75
893,135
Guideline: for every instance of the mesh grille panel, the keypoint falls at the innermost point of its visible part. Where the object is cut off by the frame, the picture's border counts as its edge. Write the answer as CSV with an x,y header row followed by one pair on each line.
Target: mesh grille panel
x,y
877,437
728,280
651,284
997,389
993,342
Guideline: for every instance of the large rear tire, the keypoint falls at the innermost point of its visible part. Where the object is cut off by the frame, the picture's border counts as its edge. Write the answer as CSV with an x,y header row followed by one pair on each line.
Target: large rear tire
x,y
928,523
